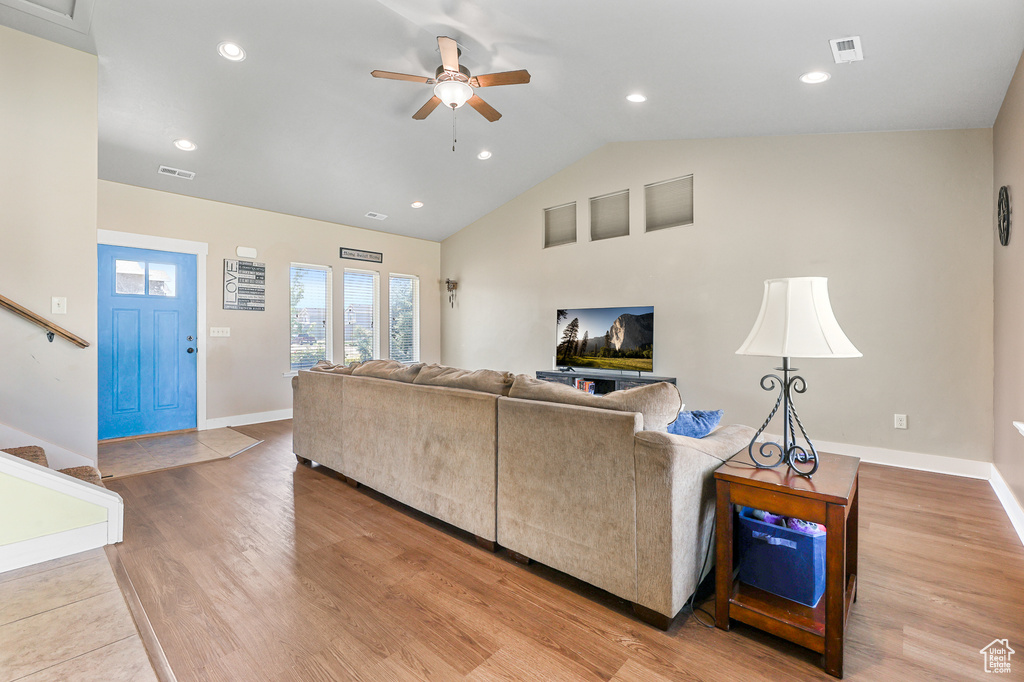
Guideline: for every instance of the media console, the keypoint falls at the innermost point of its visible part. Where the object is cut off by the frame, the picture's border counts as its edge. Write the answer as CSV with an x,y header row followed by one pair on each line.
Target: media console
x,y
604,383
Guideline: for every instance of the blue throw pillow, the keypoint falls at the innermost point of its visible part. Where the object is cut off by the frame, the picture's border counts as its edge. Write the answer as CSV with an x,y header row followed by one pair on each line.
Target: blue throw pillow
x,y
695,423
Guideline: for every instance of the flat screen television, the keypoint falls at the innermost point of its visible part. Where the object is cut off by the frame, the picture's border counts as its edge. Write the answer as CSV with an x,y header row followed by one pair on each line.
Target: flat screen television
x,y
606,338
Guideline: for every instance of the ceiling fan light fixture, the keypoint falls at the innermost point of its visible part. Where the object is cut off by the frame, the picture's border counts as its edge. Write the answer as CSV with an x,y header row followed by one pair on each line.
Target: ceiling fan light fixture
x,y
453,93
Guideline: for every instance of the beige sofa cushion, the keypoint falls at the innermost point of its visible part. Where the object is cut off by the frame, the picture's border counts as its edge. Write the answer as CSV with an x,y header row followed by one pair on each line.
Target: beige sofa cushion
x,y
658,403
324,366
388,369
484,380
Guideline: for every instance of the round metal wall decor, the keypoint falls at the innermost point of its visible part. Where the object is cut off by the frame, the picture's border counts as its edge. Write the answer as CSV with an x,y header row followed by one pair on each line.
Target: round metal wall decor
x,y
1003,215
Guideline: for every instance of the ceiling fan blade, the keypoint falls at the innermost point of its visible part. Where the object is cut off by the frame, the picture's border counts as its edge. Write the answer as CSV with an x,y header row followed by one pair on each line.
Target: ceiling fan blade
x,y
449,53
488,112
427,108
401,77
504,78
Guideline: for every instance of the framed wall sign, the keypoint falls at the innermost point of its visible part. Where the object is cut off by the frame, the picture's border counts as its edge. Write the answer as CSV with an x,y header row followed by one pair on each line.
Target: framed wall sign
x,y
245,285
357,254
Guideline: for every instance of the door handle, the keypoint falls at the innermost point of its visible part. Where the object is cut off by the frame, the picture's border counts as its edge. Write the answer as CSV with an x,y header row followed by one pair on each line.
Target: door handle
x,y
191,350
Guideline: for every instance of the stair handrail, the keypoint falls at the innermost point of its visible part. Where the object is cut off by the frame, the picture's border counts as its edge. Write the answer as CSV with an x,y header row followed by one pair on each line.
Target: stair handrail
x,y
50,327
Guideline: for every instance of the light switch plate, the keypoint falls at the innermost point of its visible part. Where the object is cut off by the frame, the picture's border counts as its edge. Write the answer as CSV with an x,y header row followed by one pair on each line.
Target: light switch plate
x,y
58,305
220,331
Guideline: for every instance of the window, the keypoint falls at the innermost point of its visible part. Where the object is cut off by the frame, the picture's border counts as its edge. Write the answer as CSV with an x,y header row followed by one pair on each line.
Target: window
x,y
560,225
362,342
131,278
404,316
669,203
310,315
609,216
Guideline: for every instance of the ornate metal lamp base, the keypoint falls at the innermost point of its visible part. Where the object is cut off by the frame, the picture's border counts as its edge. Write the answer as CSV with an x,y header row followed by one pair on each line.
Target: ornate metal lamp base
x,y
769,455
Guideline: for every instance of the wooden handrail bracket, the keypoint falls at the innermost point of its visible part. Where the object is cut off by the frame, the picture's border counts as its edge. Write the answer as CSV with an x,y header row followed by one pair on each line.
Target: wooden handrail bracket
x,y
50,327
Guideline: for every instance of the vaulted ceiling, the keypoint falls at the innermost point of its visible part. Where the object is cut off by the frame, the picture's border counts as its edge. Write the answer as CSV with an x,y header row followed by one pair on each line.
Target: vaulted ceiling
x,y
300,127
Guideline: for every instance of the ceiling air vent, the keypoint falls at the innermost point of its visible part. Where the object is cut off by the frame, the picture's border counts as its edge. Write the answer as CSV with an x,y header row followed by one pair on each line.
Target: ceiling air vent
x,y
846,50
176,172
376,216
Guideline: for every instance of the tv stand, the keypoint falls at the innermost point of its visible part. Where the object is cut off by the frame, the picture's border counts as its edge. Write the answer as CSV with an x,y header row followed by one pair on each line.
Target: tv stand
x,y
604,383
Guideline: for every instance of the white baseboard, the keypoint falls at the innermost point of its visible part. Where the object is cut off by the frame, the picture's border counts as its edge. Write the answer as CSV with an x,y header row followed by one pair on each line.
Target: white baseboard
x,y
55,546
919,461
243,419
56,456
1009,501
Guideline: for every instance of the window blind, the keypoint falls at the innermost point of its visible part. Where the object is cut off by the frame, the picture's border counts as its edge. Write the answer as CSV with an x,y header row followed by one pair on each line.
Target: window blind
x,y
609,216
560,225
404,317
362,310
669,203
311,314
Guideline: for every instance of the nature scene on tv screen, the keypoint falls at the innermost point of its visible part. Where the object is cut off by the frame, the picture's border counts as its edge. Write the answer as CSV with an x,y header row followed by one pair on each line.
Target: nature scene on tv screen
x,y
606,338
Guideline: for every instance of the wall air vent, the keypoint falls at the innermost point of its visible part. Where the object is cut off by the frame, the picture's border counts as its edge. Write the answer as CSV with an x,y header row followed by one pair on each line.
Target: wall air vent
x,y
376,216
73,14
176,172
846,50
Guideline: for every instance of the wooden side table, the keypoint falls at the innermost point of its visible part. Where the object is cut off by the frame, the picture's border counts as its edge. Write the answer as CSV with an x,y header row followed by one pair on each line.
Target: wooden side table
x,y
829,498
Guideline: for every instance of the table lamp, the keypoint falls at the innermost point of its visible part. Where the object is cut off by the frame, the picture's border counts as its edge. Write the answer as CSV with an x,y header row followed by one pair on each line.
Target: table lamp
x,y
796,321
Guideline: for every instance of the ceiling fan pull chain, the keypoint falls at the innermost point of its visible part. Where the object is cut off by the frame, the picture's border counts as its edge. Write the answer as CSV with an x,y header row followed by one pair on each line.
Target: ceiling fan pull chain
x,y
454,140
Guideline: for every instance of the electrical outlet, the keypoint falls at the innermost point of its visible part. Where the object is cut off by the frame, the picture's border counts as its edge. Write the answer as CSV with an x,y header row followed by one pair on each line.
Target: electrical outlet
x,y
58,305
220,331
901,421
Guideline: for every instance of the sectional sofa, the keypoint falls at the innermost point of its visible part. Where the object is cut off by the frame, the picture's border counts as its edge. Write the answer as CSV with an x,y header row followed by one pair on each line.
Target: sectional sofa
x,y
590,485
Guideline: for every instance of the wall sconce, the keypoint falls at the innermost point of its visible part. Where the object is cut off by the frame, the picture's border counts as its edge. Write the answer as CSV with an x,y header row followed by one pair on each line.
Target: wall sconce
x,y
451,285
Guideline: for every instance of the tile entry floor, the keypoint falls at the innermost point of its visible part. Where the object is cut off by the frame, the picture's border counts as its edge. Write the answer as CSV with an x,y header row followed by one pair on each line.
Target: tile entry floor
x,y
153,453
66,619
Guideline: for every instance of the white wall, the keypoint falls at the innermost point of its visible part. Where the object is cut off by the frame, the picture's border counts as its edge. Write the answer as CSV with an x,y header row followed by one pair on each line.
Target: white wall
x,y
900,223
245,371
48,237
1008,148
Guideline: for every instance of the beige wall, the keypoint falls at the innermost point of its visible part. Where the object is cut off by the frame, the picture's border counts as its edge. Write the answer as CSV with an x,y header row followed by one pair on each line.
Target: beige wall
x,y
245,371
1008,163
48,238
900,223
31,511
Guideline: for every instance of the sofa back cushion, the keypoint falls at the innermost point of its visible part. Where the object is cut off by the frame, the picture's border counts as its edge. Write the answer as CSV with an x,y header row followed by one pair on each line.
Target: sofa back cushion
x,y
484,380
658,403
330,367
388,369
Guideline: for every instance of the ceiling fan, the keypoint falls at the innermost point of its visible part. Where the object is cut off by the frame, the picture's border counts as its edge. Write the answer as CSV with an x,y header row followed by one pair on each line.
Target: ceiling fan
x,y
454,85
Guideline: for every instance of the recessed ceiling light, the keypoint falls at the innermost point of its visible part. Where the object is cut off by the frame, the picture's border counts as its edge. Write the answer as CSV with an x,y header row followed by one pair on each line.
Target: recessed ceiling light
x,y
484,155
636,97
231,51
813,77
417,204
185,145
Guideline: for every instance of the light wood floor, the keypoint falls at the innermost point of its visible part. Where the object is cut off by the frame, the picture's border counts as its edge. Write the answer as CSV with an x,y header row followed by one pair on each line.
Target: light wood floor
x,y
257,568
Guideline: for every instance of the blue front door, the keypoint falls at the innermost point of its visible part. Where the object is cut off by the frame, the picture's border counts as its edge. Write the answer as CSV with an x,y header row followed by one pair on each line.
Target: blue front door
x,y
147,341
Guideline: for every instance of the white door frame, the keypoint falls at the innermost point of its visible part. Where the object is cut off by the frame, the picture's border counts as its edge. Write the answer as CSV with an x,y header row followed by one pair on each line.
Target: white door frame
x,y
200,250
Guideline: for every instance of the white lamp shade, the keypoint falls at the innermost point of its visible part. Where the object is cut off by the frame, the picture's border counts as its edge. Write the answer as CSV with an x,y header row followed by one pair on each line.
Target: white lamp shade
x,y
796,321
453,93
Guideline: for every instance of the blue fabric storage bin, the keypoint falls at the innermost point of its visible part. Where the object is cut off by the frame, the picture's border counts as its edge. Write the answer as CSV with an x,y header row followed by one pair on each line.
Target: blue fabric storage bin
x,y
781,561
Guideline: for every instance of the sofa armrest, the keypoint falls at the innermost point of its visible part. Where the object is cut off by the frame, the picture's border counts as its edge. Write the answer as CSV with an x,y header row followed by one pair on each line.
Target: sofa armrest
x,y
675,507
